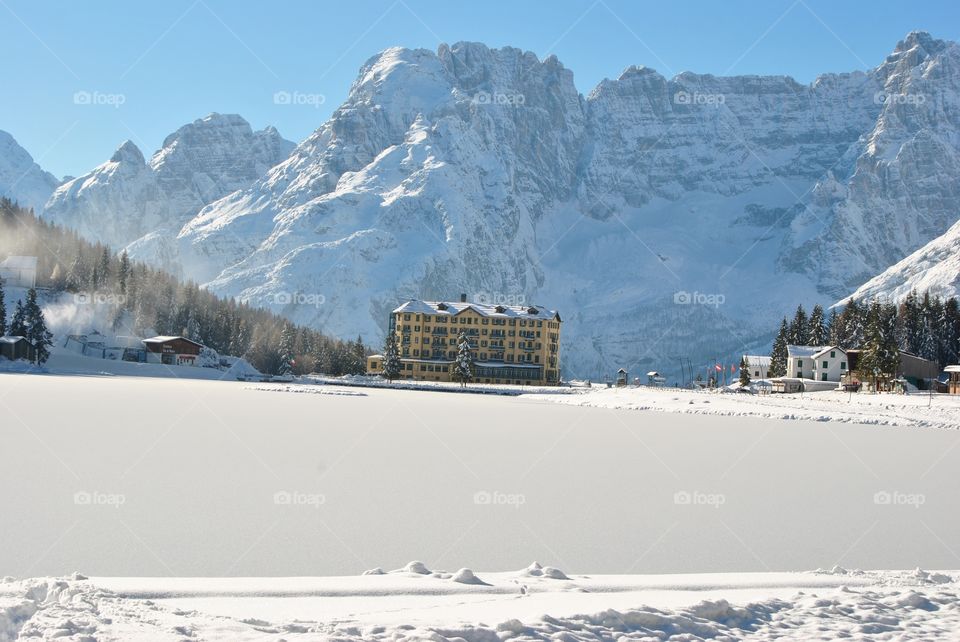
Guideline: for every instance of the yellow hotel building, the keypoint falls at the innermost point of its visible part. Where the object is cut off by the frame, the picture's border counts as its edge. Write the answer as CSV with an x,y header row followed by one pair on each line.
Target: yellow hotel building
x,y
510,344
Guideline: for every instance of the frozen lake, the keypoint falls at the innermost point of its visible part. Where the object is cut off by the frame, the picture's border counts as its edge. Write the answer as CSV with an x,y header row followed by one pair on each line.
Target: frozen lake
x,y
152,477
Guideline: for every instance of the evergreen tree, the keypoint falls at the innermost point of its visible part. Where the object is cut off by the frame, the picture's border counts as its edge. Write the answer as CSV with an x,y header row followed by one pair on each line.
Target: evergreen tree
x,y
798,333
103,267
818,334
359,361
3,313
123,272
463,368
18,327
950,337
36,326
880,358
193,329
391,358
852,324
744,372
287,356
778,356
833,330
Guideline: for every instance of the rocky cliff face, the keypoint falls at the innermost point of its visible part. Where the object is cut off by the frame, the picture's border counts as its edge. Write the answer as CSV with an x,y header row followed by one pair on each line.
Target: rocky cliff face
x,y
129,201
21,179
903,188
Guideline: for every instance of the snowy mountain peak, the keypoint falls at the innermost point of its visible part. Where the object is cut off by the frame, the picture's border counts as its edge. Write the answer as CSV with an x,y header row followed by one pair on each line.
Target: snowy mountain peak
x,y
128,152
21,179
130,201
922,41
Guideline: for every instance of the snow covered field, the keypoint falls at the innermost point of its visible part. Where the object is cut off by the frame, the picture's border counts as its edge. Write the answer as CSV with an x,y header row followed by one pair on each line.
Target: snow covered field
x,y
145,478
519,605
918,409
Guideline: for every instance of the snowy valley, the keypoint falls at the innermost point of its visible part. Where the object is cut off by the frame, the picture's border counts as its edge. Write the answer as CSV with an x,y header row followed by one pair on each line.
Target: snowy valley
x,y
644,211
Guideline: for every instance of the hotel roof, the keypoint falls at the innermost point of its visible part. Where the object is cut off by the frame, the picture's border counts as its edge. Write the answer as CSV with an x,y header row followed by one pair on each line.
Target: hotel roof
x,y
453,308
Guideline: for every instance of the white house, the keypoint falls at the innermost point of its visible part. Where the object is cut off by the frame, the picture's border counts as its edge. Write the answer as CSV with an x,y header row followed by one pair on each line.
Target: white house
x,y
819,363
758,365
830,364
19,271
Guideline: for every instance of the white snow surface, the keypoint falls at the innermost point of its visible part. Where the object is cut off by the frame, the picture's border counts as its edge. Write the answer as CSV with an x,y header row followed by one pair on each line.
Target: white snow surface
x,y
852,605
136,476
916,409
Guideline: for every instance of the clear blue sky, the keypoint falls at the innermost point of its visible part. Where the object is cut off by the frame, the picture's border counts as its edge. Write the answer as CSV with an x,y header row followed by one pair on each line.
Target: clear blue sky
x,y
177,60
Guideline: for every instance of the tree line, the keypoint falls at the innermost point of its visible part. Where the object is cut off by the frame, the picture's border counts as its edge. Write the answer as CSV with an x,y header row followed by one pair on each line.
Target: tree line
x,y
925,325
141,299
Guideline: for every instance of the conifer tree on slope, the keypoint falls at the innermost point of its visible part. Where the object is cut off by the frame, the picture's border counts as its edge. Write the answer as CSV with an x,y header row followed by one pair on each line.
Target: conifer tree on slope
x,y
880,358
37,332
778,356
18,327
818,334
799,330
744,372
833,329
391,358
463,368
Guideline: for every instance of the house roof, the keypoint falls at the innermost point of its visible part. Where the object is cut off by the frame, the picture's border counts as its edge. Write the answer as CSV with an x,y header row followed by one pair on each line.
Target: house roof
x,y
168,339
804,351
759,360
454,308
20,262
829,348
952,369
12,339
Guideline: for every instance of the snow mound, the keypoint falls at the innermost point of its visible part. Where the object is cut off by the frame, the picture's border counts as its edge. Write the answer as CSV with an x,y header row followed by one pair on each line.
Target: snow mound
x,y
550,572
466,576
374,571
418,568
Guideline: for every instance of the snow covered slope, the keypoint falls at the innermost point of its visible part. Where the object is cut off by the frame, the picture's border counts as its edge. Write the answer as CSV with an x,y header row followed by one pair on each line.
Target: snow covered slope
x,y
130,201
21,179
935,267
647,211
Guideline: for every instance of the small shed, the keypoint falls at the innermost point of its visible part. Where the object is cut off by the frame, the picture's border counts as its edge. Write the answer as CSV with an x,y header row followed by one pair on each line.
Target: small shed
x,y
654,378
14,348
953,383
622,378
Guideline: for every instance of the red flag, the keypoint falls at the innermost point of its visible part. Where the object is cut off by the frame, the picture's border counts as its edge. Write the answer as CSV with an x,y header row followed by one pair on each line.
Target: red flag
x,y
718,367
733,367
